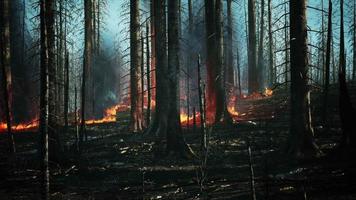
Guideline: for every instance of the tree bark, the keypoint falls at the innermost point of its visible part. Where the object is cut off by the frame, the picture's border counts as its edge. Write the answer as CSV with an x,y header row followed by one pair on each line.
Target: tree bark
x,y
211,59
230,69
6,69
54,140
261,48
270,46
327,64
354,43
86,67
252,59
222,114
148,79
44,98
136,117
174,133
301,142
347,111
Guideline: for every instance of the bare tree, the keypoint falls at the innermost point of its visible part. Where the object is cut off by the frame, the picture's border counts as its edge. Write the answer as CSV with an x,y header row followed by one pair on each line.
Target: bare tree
x,y
229,54
327,63
301,142
86,66
136,118
270,46
6,68
261,48
45,6
252,56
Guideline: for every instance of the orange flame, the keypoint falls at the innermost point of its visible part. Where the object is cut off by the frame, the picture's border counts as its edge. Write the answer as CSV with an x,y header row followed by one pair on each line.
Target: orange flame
x,y
20,127
268,92
110,114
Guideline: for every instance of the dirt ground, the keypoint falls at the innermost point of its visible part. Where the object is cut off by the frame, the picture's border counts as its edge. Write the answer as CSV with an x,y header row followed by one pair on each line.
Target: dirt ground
x,y
117,164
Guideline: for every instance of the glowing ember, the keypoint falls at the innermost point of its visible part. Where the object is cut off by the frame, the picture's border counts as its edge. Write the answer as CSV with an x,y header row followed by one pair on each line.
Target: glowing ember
x,y
20,127
232,111
110,114
184,118
268,92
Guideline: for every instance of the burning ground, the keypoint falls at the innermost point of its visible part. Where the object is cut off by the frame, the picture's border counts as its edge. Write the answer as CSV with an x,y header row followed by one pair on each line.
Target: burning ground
x,y
117,164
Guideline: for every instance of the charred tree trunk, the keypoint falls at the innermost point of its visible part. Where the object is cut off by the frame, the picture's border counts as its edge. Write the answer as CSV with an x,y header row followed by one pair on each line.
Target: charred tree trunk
x,y
270,46
159,125
6,69
260,51
175,141
142,76
86,67
136,117
66,91
148,79
44,99
98,27
211,59
252,59
327,64
354,44
347,111
54,140
301,142
286,46
222,114
230,68
238,70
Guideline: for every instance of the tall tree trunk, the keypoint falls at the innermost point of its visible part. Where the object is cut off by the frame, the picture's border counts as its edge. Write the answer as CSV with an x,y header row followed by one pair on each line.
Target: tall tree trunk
x,y
222,114
98,27
148,79
159,125
261,48
354,44
54,140
301,141
230,63
286,41
6,69
136,117
347,111
66,91
211,58
44,99
327,64
174,137
238,70
270,46
252,59
86,67
66,72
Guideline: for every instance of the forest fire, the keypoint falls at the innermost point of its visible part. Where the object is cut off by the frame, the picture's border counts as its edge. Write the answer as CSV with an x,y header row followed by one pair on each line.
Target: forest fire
x,y
20,127
268,92
110,114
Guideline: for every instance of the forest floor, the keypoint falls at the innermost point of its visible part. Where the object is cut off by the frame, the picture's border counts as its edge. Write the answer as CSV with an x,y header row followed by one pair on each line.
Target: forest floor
x,y
117,164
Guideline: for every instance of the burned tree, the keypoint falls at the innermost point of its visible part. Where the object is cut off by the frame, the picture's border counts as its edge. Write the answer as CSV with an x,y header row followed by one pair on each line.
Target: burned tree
x,y
301,141
347,111
86,66
229,54
166,125
216,108
261,48
136,118
327,63
270,46
47,57
5,56
253,85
